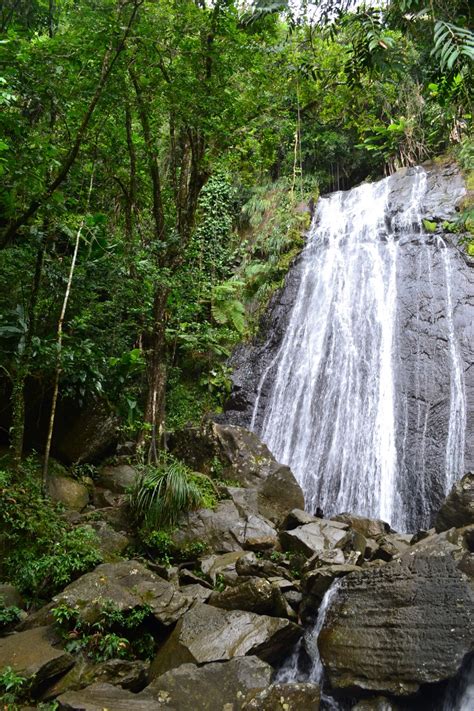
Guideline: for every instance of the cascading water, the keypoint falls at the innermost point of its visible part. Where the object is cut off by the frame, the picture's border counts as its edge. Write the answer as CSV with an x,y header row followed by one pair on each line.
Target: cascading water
x,y
292,671
340,405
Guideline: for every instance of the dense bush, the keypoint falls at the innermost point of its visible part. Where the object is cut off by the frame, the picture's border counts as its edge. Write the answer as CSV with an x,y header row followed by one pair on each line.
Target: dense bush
x,y
40,552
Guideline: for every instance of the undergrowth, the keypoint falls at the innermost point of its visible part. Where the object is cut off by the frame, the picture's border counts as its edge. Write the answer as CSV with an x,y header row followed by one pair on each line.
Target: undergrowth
x,y
39,552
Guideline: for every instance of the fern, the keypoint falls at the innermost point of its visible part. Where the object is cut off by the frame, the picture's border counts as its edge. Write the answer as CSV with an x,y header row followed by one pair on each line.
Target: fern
x,y
451,44
164,492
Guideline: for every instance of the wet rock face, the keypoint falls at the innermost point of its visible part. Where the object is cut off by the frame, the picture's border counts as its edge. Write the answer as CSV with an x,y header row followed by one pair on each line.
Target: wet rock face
x,y
458,509
425,375
393,628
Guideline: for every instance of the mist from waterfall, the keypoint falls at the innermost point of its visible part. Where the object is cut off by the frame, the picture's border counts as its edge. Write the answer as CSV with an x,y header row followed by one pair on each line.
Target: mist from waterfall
x,y
335,409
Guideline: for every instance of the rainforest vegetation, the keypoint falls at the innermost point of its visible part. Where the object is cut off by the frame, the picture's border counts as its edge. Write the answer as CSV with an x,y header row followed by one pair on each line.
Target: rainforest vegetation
x,y
157,159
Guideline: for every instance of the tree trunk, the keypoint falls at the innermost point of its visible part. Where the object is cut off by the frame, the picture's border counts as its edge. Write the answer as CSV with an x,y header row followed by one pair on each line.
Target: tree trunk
x,y
152,438
18,394
59,342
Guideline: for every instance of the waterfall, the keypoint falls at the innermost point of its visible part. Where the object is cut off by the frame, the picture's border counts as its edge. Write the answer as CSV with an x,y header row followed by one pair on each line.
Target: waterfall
x,y
293,671
340,402
460,695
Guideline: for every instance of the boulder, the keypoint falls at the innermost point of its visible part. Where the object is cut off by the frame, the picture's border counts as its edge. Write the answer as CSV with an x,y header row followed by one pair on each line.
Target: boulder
x,y
296,518
102,697
242,458
250,463
250,565
254,595
368,527
118,479
458,508
398,626
33,654
127,585
208,634
212,687
119,672
224,529
284,697
317,583
10,596
112,544
315,537
68,492
223,565
85,434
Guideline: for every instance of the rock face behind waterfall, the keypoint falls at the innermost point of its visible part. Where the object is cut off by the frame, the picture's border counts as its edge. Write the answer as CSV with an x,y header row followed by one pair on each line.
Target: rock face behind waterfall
x,y
417,407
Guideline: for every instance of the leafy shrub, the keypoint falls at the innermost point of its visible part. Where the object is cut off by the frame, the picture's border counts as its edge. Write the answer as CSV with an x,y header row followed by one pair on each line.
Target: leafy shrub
x,y
114,635
13,687
42,553
8,615
163,492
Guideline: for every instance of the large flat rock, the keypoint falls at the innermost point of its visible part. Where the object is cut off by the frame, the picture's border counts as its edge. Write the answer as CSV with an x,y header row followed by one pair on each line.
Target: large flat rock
x,y
212,687
105,697
208,634
393,628
33,654
127,584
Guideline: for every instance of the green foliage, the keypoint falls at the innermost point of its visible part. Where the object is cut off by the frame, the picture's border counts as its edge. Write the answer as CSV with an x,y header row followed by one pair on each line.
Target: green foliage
x,y
8,615
452,44
113,635
164,492
13,687
41,552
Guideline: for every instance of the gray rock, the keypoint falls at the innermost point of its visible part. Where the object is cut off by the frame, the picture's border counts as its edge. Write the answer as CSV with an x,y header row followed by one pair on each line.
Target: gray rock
x,y
208,634
225,529
85,435
254,595
250,565
315,537
296,518
130,675
69,492
112,544
393,628
223,565
118,479
458,508
102,697
197,592
317,583
211,687
127,584
285,697
10,596
252,465
368,527
32,654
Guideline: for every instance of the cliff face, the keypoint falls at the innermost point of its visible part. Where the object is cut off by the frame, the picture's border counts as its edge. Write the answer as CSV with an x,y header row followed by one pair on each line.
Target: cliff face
x,y
432,346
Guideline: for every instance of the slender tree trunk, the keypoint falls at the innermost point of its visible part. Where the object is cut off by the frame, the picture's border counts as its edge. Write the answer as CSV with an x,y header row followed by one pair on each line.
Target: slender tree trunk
x,y
18,394
110,58
152,437
59,340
